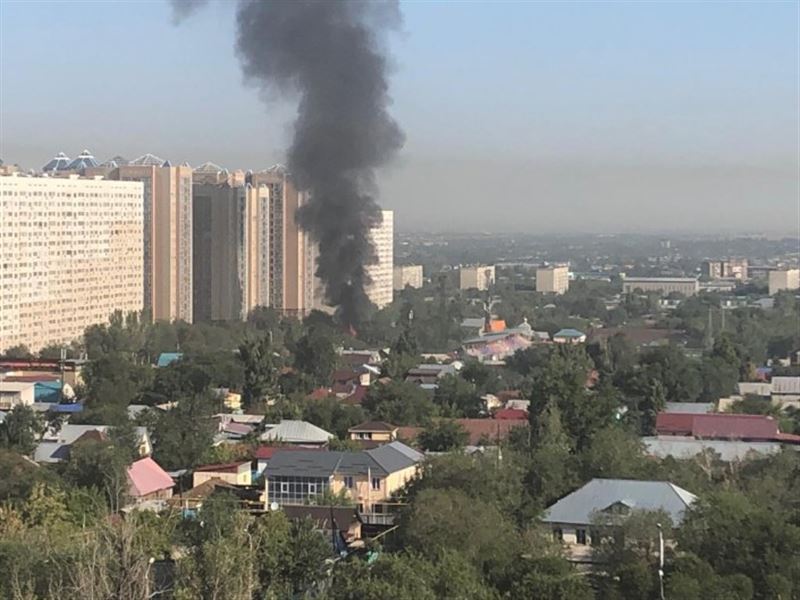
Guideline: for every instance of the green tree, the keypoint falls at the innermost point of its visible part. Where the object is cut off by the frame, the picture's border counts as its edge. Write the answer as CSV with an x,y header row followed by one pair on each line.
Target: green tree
x,y
315,355
20,351
400,403
20,430
183,434
457,397
442,436
260,369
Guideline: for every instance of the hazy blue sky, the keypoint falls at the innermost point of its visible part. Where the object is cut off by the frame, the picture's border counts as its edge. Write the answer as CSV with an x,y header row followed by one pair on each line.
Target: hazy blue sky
x,y
603,116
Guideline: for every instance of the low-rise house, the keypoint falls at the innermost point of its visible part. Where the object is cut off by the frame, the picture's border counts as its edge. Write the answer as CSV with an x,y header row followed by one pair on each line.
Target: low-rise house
x,y
786,391
299,433
723,426
340,521
234,473
430,373
368,478
569,336
496,347
148,481
755,388
16,393
376,432
511,414
573,518
54,445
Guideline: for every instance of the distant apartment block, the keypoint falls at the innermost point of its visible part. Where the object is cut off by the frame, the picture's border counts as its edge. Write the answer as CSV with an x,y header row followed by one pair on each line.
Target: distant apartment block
x,y
167,234
407,276
733,268
688,286
381,289
476,277
553,279
784,279
230,240
71,253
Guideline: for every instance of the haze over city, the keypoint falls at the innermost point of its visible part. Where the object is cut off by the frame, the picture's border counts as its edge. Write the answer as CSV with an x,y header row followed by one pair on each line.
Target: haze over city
x,y
535,117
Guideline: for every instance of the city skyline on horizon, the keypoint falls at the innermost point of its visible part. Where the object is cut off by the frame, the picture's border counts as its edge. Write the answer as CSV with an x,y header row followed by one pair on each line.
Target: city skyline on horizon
x,y
673,118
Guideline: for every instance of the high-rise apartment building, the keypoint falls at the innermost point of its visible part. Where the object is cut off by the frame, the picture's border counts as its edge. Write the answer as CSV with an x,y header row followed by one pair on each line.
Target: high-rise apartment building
x,y
167,235
783,279
231,250
381,273
553,279
291,251
71,253
476,277
407,276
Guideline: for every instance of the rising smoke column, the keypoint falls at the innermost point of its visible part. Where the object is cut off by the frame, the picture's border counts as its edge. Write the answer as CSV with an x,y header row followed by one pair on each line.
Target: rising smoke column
x,y
330,54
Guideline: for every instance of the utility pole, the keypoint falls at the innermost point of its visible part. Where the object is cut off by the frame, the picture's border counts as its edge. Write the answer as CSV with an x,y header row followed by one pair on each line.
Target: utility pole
x,y
61,366
660,561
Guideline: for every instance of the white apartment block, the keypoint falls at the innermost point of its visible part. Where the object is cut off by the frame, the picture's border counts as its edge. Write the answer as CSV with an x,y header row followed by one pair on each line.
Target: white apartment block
x,y
380,291
786,279
407,276
553,279
71,253
688,286
476,278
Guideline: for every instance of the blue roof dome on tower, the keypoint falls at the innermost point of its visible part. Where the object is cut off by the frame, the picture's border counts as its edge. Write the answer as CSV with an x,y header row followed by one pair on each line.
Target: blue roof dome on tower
x,y
59,163
84,160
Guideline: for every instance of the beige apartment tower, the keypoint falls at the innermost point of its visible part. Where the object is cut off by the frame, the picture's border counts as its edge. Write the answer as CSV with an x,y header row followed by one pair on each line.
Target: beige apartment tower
x,y
71,253
476,277
783,279
167,235
380,291
553,279
230,243
291,251
407,276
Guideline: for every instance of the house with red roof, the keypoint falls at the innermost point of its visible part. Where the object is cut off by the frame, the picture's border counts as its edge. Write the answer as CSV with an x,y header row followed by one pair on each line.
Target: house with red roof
x,y
148,481
723,426
513,414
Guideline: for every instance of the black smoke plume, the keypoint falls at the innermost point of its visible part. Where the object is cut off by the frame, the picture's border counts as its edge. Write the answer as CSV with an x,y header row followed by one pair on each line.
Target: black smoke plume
x,y
330,54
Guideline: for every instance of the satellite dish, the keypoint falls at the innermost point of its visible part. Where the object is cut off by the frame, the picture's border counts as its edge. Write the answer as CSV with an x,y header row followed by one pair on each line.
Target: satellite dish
x,y
273,506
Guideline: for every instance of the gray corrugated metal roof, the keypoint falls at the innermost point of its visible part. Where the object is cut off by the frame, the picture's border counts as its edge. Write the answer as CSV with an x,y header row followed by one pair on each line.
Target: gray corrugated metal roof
x,y
689,407
395,456
580,506
686,447
299,463
382,461
297,432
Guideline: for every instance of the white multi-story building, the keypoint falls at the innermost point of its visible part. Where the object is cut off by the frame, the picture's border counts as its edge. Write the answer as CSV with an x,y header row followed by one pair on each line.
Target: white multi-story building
x,y
553,279
380,291
71,253
407,276
688,286
478,277
786,279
